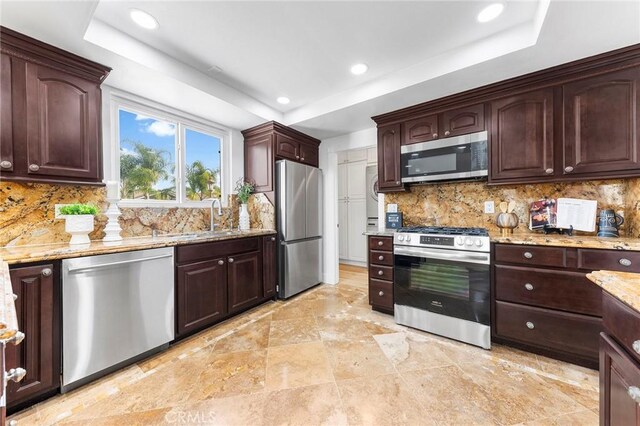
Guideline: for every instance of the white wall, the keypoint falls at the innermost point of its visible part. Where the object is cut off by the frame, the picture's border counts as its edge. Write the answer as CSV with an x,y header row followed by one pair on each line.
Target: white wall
x,y
329,164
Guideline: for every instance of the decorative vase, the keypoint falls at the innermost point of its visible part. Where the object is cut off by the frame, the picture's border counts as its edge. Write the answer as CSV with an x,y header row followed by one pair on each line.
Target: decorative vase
x,y
245,223
506,222
79,226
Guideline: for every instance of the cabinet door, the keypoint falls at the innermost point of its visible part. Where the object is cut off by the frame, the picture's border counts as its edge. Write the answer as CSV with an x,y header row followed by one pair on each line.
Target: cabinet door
x,y
63,139
37,309
601,123
389,158
269,266
357,226
258,162
522,136
420,129
462,121
619,380
6,115
342,181
356,180
201,294
309,154
245,280
287,148
343,230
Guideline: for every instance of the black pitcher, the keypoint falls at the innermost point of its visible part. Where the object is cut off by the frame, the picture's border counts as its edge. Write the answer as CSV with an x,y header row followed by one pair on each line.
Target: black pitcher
x,y
608,223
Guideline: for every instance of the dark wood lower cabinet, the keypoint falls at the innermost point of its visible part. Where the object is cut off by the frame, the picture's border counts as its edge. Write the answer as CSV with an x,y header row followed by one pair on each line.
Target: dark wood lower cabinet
x,y
269,265
38,311
619,382
244,281
380,262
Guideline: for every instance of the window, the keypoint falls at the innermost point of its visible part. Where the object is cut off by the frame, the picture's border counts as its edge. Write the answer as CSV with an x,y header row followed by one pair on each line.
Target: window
x,y
165,159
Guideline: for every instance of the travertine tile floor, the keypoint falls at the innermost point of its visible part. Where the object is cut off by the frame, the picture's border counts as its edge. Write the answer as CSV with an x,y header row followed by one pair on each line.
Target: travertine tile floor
x,y
326,358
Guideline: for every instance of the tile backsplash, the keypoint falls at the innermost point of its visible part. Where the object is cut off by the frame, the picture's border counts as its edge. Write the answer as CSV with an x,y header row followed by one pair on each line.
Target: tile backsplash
x,y
462,204
27,214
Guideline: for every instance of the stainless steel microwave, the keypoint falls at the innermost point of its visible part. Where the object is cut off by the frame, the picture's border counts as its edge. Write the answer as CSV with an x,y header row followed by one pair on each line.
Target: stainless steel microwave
x,y
460,157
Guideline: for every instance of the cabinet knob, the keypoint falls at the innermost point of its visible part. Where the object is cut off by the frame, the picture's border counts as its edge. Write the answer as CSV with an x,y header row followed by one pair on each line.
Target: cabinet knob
x,y
393,132
634,393
528,254
568,169
6,164
397,182
624,262
380,257
220,262
447,133
435,135
528,286
297,157
380,243
530,325
549,171
15,374
231,260
34,167
380,272
302,159
273,238
46,272
636,346
18,338
381,293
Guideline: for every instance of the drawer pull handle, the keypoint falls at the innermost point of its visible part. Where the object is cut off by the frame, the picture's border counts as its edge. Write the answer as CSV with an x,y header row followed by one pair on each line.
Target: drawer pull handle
x,y
530,325
220,262
231,260
6,164
380,257
528,254
568,169
380,243
381,293
435,135
380,272
273,238
528,286
636,346
46,272
549,171
634,393
17,374
624,262
34,167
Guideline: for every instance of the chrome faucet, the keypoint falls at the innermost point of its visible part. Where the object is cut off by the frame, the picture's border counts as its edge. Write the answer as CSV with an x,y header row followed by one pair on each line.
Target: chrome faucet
x,y
213,205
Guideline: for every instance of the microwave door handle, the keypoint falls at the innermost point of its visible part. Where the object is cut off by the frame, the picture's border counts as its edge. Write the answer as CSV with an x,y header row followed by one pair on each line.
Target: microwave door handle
x,y
427,254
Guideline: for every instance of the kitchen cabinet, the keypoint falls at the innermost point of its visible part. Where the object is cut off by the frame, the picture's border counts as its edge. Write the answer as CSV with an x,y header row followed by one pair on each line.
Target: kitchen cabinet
x,y
522,141
343,224
380,265
389,141
244,280
51,113
352,209
601,124
37,288
356,228
269,265
462,121
420,129
258,154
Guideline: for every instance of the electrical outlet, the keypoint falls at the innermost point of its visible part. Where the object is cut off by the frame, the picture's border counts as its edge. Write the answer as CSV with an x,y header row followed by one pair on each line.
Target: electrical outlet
x,y
57,207
489,207
392,208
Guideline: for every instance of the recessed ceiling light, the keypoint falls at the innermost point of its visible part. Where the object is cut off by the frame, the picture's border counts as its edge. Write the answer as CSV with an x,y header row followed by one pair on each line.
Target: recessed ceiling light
x,y
490,12
283,100
359,69
143,19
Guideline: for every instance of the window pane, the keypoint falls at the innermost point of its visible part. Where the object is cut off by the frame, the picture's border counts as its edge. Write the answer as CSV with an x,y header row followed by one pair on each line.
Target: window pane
x,y
147,157
202,171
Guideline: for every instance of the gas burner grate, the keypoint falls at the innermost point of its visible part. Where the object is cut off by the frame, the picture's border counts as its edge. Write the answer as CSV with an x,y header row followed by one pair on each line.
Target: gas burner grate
x,y
445,230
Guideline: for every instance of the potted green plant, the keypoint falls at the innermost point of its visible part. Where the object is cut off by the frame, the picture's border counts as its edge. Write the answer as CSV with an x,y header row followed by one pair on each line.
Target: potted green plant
x,y
244,189
78,221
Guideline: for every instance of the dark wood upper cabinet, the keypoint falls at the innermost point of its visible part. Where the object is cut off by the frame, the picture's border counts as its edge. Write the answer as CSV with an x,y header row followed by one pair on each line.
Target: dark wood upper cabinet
x,y
421,129
601,124
389,141
309,154
287,148
50,112
245,280
38,313
522,136
258,153
269,265
201,295
462,121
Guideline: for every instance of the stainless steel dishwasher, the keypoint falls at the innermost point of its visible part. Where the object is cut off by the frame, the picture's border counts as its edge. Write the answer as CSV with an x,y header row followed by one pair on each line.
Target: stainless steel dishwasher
x,y
116,308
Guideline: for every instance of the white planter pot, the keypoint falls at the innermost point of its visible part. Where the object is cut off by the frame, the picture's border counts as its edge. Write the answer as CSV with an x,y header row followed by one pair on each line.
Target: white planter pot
x,y
79,226
245,223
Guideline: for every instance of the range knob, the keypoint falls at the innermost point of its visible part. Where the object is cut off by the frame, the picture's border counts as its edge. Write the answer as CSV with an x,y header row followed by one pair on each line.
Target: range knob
x,y
460,241
478,242
400,237
408,238
468,241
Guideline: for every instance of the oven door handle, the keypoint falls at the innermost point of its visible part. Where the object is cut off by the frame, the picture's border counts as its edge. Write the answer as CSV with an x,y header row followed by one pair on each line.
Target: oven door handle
x,y
481,258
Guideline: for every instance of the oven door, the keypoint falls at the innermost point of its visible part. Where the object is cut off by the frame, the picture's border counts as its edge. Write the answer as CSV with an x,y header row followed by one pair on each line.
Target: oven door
x,y
446,282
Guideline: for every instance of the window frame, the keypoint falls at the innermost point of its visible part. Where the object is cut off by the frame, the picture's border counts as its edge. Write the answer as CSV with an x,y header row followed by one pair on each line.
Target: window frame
x,y
183,121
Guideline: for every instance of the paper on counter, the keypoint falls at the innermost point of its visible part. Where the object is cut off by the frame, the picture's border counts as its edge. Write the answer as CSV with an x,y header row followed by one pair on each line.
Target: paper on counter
x,y
581,214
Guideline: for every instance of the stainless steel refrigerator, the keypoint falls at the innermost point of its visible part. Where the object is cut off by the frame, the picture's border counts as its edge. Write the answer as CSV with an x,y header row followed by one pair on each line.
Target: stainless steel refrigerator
x,y
299,216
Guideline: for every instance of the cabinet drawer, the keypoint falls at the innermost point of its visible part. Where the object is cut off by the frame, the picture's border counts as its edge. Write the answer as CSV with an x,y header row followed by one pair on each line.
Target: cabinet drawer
x,y
531,255
622,322
568,291
206,251
566,332
613,260
381,243
381,293
381,257
380,272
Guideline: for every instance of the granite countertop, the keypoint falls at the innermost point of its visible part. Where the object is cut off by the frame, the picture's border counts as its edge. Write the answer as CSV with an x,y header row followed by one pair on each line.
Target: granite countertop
x,y
376,232
43,252
8,318
623,285
579,241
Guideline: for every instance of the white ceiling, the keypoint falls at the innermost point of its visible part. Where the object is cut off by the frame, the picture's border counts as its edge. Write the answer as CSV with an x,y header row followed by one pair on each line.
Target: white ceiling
x,y
417,51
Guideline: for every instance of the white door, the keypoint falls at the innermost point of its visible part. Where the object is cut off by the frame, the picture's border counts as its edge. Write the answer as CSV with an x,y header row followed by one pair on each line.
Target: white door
x,y
343,229
342,181
357,180
357,226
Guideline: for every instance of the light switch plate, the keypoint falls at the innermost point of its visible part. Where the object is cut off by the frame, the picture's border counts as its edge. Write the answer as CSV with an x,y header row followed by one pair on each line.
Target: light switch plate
x,y
489,207
57,211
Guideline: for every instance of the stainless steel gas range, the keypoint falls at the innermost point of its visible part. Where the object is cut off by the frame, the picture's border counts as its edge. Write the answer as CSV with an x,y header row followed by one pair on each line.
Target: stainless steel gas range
x,y
442,282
